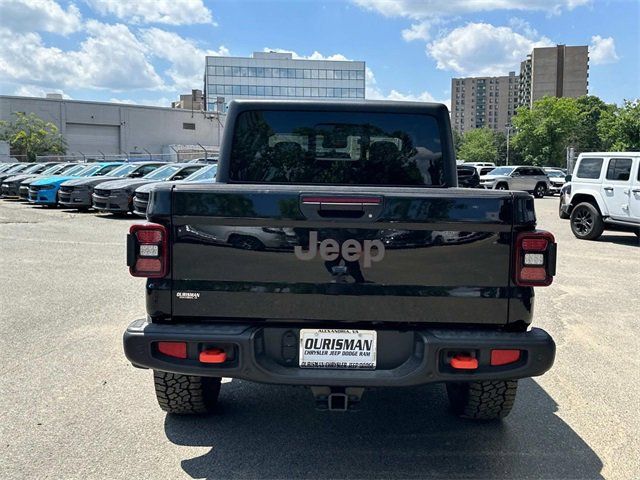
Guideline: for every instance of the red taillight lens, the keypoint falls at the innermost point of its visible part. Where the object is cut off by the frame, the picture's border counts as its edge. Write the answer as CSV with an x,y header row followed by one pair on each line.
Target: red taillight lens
x,y
149,236
148,265
147,250
533,274
504,357
173,349
535,259
534,244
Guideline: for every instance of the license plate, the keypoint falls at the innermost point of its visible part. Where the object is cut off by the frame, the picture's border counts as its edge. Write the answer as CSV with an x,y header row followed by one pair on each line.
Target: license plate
x,y
343,349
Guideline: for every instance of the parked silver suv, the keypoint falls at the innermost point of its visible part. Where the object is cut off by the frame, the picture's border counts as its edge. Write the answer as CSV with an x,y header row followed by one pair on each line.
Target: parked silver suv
x,y
529,179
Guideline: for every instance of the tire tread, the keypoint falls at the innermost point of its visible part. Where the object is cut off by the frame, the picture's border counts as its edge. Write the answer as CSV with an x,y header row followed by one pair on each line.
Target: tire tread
x,y
484,400
185,394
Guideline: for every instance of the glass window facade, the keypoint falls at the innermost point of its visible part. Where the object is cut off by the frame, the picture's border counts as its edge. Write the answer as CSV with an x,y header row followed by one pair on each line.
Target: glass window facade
x,y
259,77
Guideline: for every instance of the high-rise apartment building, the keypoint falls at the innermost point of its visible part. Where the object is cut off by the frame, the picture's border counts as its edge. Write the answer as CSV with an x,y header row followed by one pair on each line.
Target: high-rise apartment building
x,y
279,75
558,71
479,102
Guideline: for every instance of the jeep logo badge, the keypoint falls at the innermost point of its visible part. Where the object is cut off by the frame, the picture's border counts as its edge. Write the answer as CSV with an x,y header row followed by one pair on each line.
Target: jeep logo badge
x,y
351,250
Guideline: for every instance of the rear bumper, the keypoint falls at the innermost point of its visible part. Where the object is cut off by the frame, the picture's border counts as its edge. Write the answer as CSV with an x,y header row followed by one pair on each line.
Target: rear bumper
x,y
270,354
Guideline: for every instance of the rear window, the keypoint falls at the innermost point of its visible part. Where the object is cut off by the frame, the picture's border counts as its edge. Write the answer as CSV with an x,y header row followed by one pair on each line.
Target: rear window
x,y
589,168
343,148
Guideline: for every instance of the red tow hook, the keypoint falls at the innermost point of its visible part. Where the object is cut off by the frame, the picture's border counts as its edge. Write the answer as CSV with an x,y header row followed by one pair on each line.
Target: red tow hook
x,y
464,362
213,355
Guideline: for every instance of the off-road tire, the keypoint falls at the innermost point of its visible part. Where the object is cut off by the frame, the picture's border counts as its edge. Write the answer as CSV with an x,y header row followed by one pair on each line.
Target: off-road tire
x,y
586,221
186,394
540,191
486,400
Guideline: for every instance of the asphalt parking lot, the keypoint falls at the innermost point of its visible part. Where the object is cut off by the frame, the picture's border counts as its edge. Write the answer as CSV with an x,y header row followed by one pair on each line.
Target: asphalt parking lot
x,y
71,406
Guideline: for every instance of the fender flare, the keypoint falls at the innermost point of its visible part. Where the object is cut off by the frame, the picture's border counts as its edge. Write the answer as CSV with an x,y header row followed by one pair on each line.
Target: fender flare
x,y
602,206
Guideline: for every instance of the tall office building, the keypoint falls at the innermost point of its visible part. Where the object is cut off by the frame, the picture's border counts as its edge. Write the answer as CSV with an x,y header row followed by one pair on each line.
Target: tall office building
x,y
279,75
558,71
479,102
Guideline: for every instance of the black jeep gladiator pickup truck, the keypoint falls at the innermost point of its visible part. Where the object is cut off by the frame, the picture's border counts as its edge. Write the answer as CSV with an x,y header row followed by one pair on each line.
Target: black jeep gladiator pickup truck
x,y
336,251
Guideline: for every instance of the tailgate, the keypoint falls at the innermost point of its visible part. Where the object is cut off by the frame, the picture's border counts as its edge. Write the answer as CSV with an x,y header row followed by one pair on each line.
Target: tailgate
x,y
349,254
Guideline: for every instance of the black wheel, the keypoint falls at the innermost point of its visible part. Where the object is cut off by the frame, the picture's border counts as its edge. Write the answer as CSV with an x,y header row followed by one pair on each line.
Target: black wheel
x,y
586,222
244,242
502,186
486,400
561,213
184,394
540,190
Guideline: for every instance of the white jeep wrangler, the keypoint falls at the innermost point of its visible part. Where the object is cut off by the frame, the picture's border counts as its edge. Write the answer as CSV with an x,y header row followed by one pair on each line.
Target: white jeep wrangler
x,y
603,194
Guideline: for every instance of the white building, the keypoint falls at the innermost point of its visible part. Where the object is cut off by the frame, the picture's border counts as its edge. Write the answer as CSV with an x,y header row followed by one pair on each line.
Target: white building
x,y
98,128
278,75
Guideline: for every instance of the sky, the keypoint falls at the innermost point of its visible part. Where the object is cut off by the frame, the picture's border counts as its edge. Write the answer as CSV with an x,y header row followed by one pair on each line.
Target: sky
x,y
151,51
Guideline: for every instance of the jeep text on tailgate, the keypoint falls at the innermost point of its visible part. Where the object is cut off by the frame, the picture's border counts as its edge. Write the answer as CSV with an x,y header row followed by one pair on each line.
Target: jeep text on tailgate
x,y
336,251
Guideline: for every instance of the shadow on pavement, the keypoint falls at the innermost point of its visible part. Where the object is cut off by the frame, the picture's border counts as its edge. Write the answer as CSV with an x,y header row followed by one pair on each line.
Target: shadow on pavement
x,y
631,240
117,216
274,431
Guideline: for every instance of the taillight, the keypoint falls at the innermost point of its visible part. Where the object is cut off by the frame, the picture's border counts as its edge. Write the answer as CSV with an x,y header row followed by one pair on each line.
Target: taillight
x,y
535,259
147,250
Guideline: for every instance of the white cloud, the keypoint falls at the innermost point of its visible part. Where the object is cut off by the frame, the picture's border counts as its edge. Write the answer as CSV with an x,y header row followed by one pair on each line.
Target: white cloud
x,y
421,9
157,102
314,56
482,49
374,92
126,101
602,51
185,57
111,57
35,91
417,31
40,15
522,26
169,12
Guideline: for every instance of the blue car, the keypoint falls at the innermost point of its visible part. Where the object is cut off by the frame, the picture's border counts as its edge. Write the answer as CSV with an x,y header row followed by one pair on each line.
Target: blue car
x,y
45,190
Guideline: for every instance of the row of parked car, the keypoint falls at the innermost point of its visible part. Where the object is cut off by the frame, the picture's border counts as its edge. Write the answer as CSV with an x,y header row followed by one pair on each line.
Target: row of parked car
x,y
536,180
116,187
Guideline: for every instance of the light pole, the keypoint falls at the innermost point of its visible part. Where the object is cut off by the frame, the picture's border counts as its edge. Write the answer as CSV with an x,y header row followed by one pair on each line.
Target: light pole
x,y
508,127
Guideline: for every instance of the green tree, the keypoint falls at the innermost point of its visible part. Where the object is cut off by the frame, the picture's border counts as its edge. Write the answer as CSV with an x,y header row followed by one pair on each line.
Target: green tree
x,y
500,139
544,131
478,145
457,141
590,111
30,135
619,129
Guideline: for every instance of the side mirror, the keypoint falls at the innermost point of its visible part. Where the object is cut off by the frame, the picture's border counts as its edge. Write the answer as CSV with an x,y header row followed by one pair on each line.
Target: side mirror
x,y
567,178
515,174
135,175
